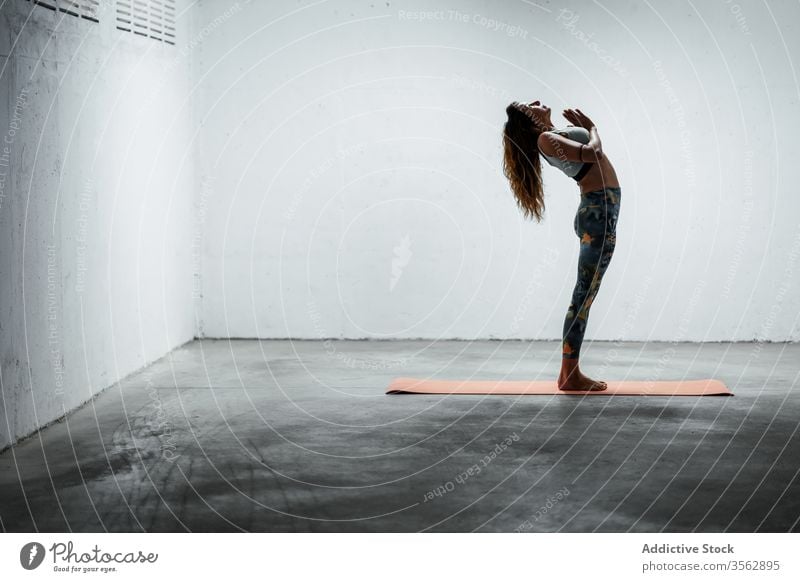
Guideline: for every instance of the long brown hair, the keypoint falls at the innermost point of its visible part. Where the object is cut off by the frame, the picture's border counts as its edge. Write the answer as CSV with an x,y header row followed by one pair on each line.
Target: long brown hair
x,y
521,162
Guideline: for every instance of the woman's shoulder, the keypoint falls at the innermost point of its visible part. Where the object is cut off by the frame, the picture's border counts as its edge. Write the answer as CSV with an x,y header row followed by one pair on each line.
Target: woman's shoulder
x,y
575,132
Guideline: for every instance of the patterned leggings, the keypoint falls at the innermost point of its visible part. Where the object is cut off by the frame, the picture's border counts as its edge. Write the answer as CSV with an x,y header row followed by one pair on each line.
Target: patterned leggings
x,y
596,226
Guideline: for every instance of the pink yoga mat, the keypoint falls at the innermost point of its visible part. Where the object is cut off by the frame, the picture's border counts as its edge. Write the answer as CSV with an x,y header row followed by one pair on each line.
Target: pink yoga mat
x,y
707,387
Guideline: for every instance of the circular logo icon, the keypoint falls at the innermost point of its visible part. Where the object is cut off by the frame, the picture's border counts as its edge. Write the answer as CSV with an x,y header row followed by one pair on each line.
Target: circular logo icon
x,y
31,555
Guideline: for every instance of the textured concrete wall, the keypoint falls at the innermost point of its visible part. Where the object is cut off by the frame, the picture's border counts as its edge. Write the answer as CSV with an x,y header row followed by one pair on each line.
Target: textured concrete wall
x,y
351,156
96,209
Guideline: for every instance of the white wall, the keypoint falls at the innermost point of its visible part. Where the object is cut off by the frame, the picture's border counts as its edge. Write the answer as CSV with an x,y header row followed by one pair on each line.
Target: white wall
x,y
340,140
96,209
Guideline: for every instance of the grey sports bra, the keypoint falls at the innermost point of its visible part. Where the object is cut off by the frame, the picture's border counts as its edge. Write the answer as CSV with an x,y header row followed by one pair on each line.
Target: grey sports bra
x,y
575,170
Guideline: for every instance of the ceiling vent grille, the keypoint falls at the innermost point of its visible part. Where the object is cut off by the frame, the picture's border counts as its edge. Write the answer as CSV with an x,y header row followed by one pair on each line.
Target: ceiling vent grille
x,y
154,19
87,9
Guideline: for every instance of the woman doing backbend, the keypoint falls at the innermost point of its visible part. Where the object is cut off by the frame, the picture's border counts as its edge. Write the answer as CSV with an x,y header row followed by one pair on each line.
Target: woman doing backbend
x,y
576,150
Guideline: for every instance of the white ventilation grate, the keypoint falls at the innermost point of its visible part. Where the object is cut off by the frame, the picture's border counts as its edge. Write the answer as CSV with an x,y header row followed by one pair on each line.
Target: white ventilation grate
x,y
87,9
153,19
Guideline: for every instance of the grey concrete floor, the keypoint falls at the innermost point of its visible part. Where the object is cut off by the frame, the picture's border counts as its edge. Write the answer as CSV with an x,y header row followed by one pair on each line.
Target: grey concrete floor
x,y
299,436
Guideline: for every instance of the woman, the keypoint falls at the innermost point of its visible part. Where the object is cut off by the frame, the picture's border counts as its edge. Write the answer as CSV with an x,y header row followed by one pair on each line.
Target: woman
x,y
576,150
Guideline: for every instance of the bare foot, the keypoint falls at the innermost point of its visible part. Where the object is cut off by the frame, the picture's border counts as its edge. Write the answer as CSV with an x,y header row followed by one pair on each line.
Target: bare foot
x,y
576,381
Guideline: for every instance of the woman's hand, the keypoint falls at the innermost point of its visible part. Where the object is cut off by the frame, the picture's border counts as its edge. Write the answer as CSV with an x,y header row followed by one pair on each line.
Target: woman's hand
x,y
579,118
